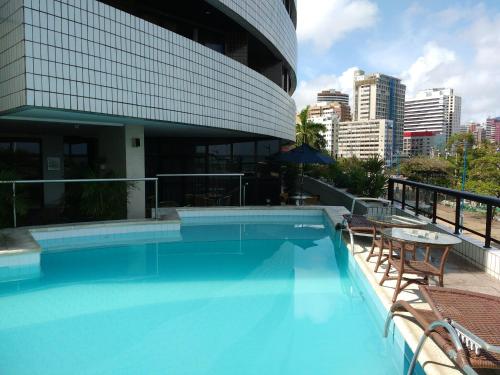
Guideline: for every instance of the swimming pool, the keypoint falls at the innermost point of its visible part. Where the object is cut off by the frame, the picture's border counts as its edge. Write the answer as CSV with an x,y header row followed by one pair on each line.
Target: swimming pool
x,y
241,295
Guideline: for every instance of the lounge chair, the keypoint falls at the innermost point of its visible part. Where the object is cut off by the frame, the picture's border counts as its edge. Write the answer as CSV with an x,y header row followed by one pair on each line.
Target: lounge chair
x,y
465,325
358,225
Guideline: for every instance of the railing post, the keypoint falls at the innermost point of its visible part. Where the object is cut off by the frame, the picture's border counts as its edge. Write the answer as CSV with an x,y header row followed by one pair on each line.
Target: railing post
x,y
241,202
417,198
434,207
14,214
390,191
403,196
489,218
156,199
457,214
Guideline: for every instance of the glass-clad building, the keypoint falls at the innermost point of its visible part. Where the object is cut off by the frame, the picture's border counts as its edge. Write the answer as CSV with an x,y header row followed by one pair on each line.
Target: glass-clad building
x,y
139,88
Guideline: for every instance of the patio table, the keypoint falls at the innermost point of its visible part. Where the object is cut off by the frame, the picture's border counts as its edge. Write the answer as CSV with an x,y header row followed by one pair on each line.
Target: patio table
x,y
381,222
409,239
299,198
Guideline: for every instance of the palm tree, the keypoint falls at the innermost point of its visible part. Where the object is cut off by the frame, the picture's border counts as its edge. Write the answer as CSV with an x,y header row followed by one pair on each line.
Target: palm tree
x,y
309,132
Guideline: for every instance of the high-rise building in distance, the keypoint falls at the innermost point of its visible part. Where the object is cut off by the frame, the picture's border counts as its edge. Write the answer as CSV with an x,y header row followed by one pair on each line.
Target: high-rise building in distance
x,y
435,110
365,139
331,95
342,110
493,129
379,96
427,143
330,114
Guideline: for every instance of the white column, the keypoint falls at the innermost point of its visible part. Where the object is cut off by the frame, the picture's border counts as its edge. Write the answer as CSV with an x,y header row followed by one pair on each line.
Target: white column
x,y
53,168
134,166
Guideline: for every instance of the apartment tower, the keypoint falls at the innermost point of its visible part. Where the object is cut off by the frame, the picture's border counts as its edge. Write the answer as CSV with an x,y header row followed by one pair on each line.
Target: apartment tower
x,y
379,96
433,110
331,95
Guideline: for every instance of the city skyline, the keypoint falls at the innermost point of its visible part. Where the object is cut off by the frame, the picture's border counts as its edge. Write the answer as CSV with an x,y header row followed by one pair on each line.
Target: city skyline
x,y
428,45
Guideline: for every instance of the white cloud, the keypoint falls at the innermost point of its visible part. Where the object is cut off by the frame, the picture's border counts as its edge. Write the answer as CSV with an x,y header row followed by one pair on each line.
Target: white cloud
x,y
307,90
323,22
457,47
424,71
475,75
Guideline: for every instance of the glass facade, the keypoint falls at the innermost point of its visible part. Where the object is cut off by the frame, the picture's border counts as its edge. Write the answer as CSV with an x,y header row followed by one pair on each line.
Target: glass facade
x,y
205,155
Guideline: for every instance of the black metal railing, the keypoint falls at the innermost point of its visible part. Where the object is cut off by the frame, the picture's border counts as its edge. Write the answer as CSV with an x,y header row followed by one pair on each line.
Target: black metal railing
x,y
430,196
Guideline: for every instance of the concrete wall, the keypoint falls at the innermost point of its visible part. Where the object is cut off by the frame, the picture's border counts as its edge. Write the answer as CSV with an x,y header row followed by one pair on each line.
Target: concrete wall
x,y
134,157
53,147
115,146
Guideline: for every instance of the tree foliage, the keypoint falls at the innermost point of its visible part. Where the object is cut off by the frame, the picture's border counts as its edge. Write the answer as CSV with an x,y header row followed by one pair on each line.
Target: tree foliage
x,y
484,175
428,170
309,132
6,197
97,200
360,177
482,166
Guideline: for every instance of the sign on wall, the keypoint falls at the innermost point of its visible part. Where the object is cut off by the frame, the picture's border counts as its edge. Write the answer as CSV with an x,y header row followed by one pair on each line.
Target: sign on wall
x,y
53,163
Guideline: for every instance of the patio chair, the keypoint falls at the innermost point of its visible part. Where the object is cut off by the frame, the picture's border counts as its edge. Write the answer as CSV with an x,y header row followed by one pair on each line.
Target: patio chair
x,y
312,200
358,225
284,198
420,270
465,325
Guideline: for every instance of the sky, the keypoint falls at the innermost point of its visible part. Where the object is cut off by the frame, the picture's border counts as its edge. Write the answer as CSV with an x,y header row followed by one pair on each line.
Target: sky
x,y
426,43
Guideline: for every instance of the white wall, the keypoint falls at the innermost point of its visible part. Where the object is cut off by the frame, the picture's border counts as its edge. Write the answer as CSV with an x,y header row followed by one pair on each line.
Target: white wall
x,y
115,145
53,147
134,157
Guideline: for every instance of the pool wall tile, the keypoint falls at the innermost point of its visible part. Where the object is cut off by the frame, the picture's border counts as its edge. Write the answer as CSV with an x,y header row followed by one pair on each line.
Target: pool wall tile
x,y
101,229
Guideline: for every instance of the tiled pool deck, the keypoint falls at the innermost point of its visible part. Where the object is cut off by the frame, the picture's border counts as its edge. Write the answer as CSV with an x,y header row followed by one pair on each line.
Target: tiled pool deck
x,y
459,272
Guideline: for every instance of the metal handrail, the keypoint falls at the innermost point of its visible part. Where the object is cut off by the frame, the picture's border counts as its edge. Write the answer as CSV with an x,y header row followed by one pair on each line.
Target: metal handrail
x,y
197,174
240,175
75,180
459,196
486,199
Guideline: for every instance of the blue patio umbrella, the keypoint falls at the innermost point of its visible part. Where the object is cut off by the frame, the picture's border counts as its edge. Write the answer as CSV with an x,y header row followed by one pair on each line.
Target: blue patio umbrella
x,y
305,154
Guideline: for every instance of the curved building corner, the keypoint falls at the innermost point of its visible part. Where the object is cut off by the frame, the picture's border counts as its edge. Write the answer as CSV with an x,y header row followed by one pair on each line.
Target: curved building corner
x,y
144,87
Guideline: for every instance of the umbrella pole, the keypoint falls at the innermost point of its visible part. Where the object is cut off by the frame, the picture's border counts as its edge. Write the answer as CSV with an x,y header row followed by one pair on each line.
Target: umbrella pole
x,y
301,200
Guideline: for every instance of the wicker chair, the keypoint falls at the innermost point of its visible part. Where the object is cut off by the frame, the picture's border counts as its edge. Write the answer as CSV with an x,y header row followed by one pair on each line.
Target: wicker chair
x,y
358,225
421,270
465,325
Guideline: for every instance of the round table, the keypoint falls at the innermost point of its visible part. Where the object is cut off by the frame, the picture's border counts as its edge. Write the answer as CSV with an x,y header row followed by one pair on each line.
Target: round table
x,y
421,237
380,222
409,239
395,221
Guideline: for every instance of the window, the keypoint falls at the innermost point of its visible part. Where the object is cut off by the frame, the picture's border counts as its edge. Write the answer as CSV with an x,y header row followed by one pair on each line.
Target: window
x,y
79,156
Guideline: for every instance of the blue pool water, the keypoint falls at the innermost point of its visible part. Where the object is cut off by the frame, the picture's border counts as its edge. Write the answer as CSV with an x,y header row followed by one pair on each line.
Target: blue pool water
x,y
274,297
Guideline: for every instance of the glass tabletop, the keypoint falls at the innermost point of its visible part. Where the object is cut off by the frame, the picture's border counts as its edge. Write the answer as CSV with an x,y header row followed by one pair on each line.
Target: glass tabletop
x,y
421,236
396,221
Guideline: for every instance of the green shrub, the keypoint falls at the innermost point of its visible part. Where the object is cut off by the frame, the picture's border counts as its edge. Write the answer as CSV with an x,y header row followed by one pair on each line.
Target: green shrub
x,y
359,177
97,200
6,214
